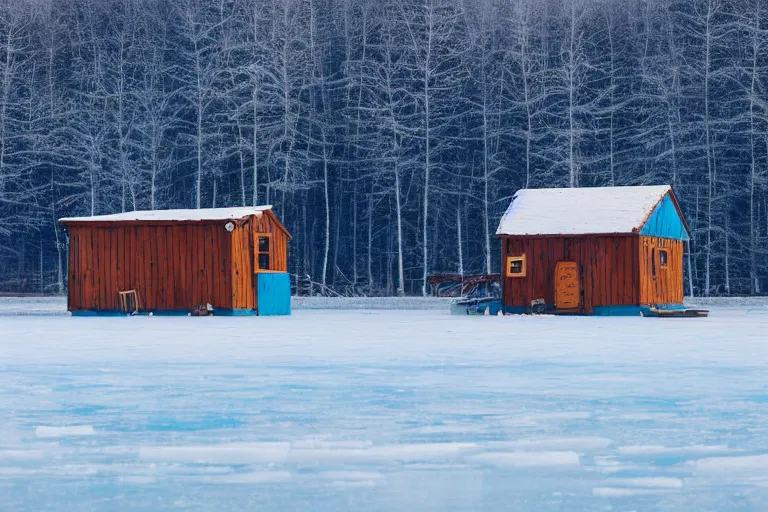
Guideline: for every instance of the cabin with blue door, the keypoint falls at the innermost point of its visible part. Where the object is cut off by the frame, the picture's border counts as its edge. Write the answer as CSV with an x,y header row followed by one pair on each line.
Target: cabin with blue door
x,y
221,261
601,251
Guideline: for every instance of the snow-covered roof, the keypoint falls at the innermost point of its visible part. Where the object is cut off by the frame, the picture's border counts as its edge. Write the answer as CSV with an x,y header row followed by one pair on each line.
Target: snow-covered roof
x,y
580,211
202,214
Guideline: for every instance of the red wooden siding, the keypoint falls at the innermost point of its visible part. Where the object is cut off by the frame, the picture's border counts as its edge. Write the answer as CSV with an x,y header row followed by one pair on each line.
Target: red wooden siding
x,y
608,269
172,266
666,286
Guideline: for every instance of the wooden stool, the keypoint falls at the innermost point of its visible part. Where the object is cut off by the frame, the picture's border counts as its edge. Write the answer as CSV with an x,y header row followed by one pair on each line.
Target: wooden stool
x,y
129,302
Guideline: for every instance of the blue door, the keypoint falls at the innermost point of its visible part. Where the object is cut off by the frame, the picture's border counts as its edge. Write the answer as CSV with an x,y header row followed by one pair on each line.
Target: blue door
x,y
273,293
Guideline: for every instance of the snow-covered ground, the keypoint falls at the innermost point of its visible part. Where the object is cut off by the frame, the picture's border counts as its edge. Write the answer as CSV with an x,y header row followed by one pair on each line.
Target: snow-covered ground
x,y
58,305
384,410
36,306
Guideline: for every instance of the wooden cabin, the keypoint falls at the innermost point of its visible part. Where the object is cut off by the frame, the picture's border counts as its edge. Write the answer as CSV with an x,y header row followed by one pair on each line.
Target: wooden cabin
x,y
603,251
230,261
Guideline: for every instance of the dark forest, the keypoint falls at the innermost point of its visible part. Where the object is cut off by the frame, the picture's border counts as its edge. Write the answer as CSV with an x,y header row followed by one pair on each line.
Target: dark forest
x,y
388,134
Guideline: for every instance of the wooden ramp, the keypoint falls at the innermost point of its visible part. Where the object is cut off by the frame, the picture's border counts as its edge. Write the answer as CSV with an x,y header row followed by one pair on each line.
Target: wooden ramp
x,y
679,313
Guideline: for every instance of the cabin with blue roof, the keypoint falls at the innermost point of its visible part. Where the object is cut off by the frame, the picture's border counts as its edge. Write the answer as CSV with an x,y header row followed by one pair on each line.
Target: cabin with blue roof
x,y
602,251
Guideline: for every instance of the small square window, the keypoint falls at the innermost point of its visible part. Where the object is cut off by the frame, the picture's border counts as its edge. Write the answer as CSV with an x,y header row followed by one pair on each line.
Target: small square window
x,y
516,266
662,258
263,244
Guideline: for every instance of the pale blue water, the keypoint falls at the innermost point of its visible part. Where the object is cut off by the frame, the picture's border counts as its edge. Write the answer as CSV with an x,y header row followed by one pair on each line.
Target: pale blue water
x,y
381,411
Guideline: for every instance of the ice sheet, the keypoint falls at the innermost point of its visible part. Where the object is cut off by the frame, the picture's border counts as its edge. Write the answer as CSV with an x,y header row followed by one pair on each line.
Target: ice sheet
x,y
385,410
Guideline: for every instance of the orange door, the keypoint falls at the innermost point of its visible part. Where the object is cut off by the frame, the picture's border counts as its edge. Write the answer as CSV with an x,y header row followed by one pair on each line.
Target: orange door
x,y
567,287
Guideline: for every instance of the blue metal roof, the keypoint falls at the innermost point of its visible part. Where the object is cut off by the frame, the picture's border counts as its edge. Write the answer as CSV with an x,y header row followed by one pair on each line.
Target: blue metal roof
x,y
665,221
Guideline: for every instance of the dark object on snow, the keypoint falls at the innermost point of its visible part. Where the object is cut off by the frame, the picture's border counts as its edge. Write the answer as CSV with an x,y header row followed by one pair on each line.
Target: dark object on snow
x,y
538,307
476,306
202,310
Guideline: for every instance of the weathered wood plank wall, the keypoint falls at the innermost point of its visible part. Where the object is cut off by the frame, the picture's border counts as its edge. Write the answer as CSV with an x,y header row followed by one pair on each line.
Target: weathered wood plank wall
x,y
608,267
661,285
278,250
173,267
243,293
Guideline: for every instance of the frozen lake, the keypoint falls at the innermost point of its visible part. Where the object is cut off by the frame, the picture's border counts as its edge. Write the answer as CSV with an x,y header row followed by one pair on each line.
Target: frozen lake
x,y
385,410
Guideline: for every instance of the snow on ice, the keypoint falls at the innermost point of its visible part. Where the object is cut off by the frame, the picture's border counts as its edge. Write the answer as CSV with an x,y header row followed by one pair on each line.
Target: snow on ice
x,y
384,410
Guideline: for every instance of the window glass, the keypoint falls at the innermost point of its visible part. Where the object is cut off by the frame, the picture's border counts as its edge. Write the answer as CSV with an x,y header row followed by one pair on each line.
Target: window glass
x,y
516,266
662,258
264,261
261,251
